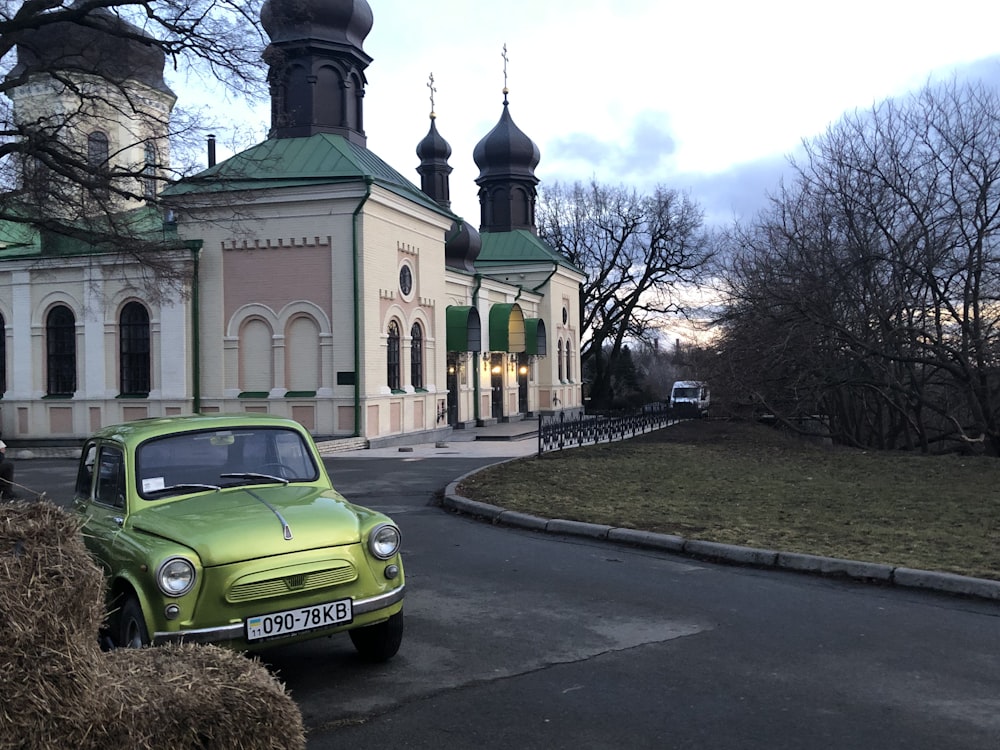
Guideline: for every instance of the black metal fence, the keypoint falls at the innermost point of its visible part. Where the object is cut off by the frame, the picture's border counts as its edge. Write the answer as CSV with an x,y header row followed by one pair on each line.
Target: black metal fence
x,y
557,432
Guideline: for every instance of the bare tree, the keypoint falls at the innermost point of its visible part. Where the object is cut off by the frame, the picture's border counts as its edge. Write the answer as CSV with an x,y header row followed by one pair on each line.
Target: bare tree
x,y
88,131
636,251
886,249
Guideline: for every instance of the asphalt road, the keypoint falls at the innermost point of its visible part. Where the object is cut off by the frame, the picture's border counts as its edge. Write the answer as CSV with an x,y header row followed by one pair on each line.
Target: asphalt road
x,y
518,639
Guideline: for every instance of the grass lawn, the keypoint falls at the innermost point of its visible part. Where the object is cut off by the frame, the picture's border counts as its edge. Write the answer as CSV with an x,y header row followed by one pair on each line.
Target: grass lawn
x,y
752,485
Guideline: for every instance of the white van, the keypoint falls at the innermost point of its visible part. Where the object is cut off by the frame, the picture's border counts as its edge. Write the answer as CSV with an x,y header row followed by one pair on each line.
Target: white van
x,y
689,399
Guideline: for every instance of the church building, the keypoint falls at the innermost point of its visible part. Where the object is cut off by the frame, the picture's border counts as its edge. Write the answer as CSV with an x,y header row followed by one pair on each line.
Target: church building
x,y
323,284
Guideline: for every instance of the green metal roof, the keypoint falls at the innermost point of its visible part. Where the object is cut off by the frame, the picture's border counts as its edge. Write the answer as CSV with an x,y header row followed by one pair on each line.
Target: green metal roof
x,y
143,225
289,162
18,240
464,328
507,328
518,246
535,340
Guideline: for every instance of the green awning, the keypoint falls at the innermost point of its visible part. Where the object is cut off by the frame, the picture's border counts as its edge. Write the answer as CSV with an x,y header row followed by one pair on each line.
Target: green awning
x,y
506,328
534,337
465,332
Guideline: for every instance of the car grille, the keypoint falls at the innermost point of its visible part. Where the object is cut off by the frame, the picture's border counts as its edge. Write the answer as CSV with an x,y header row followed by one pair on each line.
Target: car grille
x,y
317,579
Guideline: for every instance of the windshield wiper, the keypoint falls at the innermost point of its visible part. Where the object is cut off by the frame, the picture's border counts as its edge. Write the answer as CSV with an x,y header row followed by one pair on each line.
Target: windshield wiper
x,y
255,476
182,488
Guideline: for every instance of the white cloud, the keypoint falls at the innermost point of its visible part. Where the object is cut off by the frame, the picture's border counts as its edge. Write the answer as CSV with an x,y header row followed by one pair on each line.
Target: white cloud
x,y
643,91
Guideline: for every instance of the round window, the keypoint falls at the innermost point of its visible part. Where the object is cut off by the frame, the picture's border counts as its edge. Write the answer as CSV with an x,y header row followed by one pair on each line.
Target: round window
x,y
405,280
565,316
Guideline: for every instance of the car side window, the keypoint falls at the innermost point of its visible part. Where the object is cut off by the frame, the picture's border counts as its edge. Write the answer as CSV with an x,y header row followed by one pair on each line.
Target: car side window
x,y
85,474
110,488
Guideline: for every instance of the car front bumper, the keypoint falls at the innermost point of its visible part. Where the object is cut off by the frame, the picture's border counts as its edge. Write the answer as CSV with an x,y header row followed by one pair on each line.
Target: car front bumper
x,y
236,631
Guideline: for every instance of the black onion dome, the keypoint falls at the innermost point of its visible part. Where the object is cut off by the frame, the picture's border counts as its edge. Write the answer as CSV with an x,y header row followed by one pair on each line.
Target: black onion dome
x,y
433,148
434,169
506,151
102,44
339,21
462,247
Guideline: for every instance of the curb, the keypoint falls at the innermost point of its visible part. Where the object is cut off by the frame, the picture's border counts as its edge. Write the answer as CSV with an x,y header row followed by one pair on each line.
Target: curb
x,y
947,583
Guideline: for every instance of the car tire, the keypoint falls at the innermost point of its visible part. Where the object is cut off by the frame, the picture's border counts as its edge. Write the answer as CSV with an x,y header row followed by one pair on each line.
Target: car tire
x,y
380,642
130,630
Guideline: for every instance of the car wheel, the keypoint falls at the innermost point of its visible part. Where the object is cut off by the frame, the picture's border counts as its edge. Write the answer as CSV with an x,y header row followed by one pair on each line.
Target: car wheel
x,y
376,643
131,631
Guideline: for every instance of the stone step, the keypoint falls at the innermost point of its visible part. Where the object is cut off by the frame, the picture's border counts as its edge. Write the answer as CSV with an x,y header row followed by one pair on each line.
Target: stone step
x,y
327,447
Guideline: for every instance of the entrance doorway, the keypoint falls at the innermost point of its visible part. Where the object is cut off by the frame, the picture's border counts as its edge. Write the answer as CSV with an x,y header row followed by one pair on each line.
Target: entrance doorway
x,y
452,385
496,384
523,370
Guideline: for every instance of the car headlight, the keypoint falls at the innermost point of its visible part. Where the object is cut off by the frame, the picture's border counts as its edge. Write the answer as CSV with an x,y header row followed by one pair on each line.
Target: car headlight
x,y
175,576
383,542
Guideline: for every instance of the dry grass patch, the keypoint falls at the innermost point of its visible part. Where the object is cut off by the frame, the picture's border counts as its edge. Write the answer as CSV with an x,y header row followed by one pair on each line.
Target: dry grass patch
x,y
751,485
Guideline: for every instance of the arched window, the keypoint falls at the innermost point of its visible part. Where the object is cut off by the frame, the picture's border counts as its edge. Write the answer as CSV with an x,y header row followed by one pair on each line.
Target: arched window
x,y
98,151
392,356
149,172
559,358
417,356
133,355
569,361
60,350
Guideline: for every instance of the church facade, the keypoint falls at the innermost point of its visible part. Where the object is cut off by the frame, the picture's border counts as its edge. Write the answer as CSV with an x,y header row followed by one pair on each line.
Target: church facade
x,y
323,284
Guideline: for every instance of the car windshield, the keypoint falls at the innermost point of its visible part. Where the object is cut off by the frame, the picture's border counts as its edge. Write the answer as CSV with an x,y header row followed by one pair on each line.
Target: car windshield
x,y
188,462
686,392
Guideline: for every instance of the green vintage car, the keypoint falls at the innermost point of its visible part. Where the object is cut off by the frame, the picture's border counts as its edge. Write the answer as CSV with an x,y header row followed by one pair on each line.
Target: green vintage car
x,y
227,530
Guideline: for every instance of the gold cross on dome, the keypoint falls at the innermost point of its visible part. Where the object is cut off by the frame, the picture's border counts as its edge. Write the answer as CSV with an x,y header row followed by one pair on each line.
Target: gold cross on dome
x,y
506,60
430,85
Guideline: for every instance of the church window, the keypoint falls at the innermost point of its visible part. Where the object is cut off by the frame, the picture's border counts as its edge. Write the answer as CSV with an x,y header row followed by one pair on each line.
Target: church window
x,y
134,350
405,280
417,356
60,350
98,152
149,172
559,358
393,356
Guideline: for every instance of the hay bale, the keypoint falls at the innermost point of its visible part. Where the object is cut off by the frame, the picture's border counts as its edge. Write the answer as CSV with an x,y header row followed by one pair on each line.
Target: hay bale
x,y
53,590
51,603
57,689
192,696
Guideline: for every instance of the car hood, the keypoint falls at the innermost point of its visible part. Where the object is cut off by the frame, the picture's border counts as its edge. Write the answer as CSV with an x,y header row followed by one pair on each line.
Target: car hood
x,y
243,523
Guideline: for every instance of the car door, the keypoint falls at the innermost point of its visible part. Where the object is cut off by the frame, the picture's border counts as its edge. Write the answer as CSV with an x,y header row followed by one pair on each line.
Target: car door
x,y
101,497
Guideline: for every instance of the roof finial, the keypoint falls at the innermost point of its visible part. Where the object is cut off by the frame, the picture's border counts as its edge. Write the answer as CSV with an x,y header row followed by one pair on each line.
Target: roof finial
x,y
505,61
430,85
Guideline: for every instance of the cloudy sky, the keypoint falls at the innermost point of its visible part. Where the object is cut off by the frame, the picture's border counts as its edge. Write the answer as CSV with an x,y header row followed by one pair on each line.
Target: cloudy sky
x,y
708,96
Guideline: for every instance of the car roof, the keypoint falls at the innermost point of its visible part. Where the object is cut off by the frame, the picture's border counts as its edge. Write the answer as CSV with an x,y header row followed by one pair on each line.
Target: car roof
x,y
143,429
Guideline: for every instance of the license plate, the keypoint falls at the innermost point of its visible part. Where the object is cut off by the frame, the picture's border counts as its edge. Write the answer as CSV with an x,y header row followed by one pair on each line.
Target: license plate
x,y
278,624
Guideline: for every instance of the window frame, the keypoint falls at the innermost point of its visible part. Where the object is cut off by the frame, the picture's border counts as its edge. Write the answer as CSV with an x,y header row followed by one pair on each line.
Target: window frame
x,y
98,156
417,355
149,170
393,351
60,352
134,351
